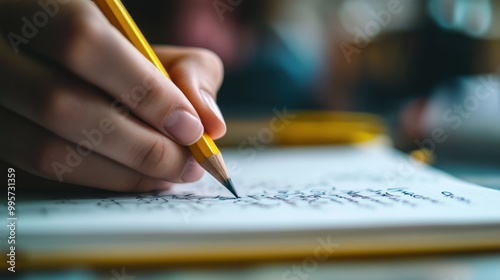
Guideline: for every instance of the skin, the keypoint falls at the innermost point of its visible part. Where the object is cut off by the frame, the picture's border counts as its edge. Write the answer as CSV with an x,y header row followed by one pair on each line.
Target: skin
x,y
77,71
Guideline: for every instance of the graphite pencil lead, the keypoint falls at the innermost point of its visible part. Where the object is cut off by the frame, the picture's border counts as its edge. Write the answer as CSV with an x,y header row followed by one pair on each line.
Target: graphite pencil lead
x,y
229,185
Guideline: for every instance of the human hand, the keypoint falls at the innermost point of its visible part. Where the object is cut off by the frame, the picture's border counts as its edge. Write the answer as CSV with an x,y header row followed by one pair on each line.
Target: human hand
x,y
81,105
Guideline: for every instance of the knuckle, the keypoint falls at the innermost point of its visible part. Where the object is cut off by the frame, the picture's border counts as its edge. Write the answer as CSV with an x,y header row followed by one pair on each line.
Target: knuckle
x,y
150,157
83,37
205,61
143,96
150,95
206,55
210,58
60,111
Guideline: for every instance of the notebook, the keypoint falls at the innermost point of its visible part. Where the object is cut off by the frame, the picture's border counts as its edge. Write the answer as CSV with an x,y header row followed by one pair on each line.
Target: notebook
x,y
296,203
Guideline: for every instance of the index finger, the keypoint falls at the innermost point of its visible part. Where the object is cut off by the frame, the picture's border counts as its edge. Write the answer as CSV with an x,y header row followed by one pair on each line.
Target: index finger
x,y
79,38
198,73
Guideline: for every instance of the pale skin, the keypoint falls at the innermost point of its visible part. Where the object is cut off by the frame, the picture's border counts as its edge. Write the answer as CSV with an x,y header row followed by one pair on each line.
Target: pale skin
x,y
74,75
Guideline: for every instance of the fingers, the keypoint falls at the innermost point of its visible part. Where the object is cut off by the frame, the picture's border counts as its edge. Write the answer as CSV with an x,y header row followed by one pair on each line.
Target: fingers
x,y
40,152
198,73
81,109
80,39
82,115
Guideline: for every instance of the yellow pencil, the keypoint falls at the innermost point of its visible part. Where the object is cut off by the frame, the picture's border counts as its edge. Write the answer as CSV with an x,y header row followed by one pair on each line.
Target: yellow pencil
x,y
204,151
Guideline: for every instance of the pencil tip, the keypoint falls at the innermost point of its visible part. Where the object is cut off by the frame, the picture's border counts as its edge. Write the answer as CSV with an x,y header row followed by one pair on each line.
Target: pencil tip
x,y
229,185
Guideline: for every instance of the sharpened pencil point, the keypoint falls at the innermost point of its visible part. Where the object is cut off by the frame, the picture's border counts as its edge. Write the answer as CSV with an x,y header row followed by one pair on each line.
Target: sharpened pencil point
x,y
229,185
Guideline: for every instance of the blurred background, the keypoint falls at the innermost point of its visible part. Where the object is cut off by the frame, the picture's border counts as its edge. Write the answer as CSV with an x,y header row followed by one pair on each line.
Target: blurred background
x,y
421,65
429,68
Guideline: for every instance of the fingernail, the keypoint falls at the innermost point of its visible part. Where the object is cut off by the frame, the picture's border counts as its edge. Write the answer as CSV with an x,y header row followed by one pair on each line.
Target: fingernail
x,y
209,100
184,127
192,171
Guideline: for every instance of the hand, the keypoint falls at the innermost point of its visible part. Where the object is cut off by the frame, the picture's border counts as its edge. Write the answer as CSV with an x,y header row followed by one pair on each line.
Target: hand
x,y
79,104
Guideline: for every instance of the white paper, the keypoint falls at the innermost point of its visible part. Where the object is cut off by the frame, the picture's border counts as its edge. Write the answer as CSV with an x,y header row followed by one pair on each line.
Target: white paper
x,y
282,190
